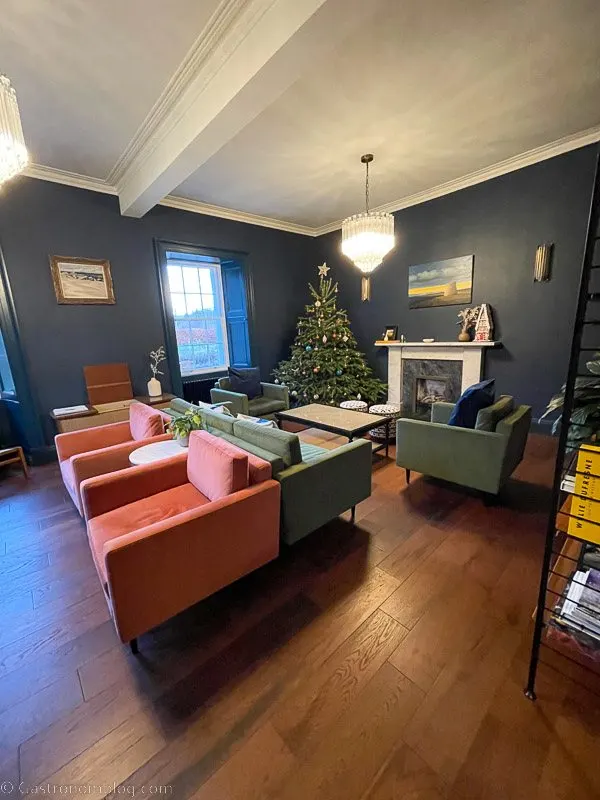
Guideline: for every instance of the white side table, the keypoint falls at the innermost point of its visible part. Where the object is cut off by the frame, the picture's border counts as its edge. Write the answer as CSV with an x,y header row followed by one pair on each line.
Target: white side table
x,y
156,452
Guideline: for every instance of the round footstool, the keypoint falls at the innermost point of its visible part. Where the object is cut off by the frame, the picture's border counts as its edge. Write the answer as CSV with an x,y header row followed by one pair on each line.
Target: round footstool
x,y
354,405
386,410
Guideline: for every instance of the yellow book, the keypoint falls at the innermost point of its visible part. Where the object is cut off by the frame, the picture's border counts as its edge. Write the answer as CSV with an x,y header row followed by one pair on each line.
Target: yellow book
x,y
587,476
584,513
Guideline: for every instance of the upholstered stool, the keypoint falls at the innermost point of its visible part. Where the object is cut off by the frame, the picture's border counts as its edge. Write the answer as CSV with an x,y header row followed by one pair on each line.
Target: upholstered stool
x,y
385,409
354,405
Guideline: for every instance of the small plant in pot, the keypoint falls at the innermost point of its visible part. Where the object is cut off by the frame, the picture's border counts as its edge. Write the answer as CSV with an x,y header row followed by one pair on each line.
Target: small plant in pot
x,y
182,426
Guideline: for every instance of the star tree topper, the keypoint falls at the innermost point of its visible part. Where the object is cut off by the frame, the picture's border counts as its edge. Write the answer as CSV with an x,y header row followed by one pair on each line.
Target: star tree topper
x,y
323,270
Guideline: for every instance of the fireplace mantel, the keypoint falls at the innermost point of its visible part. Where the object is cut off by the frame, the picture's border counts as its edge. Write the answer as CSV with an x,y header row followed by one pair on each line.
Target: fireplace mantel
x,y
471,354
434,345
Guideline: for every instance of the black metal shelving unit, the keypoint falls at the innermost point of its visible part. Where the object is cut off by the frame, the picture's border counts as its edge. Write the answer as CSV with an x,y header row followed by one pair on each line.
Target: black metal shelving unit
x,y
566,554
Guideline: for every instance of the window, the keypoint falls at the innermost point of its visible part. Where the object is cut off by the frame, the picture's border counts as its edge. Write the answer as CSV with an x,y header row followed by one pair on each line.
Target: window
x,y
7,384
196,292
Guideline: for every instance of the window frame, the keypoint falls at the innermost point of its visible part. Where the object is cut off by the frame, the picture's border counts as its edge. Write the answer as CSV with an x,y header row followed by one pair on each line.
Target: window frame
x,y
161,248
219,297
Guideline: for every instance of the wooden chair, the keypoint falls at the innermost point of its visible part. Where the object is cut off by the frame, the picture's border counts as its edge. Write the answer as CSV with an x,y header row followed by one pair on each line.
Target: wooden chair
x,y
14,455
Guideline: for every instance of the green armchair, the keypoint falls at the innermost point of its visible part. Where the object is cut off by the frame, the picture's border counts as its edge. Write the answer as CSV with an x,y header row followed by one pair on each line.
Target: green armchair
x,y
482,458
275,397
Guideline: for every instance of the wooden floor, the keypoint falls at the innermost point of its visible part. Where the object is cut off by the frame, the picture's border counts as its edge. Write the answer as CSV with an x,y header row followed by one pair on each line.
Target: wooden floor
x,y
382,660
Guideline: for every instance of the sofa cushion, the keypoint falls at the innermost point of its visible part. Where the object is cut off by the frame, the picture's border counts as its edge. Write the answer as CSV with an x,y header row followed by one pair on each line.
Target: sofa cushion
x,y
274,460
217,421
261,406
310,452
145,422
284,444
134,516
215,467
489,417
472,400
245,380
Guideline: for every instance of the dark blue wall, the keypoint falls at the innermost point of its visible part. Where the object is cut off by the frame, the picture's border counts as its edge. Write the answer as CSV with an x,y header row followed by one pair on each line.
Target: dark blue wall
x,y
38,219
501,221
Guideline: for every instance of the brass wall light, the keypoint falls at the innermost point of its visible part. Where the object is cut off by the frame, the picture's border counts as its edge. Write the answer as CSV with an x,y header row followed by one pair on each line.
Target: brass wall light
x,y
543,262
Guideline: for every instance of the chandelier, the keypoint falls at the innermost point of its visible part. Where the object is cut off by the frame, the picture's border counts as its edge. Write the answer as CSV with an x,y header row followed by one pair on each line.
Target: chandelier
x,y
368,237
13,153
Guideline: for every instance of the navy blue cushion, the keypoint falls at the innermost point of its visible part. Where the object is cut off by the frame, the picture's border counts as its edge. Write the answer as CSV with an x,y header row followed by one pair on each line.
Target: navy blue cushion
x,y
246,381
470,403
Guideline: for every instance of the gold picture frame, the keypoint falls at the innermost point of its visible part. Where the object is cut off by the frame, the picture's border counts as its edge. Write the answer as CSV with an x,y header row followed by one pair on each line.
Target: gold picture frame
x,y
82,280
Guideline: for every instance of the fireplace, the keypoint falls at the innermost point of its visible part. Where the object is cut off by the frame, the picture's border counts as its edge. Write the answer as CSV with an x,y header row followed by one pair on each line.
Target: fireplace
x,y
427,390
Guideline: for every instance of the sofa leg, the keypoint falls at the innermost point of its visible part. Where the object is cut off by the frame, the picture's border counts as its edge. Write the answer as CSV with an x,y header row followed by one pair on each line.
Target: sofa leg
x,y
134,646
407,472
352,514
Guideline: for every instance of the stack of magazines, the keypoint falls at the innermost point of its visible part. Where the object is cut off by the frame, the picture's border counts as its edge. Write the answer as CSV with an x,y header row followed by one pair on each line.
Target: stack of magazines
x,y
579,609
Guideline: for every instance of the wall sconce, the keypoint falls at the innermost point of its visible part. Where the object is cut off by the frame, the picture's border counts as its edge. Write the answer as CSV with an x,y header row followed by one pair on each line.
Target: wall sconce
x,y
541,267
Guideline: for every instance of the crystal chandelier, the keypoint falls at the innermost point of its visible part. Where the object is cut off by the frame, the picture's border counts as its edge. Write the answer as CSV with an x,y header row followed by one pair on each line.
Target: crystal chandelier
x,y
368,237
13,153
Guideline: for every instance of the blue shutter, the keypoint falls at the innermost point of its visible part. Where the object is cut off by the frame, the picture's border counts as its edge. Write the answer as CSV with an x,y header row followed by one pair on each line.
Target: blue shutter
x,y
236,313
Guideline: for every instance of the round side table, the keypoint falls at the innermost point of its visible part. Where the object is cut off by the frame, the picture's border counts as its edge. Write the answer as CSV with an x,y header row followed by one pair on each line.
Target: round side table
x,y
156,452
385,409
354,405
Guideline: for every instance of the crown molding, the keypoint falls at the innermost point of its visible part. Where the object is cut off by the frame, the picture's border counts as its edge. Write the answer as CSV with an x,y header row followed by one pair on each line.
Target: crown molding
x,y
170,201
196,207
564,145
543,153
231,18
69,178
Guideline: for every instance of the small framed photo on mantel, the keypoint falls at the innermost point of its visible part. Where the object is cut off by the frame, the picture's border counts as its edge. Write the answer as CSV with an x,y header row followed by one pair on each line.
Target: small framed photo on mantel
x,y
82,280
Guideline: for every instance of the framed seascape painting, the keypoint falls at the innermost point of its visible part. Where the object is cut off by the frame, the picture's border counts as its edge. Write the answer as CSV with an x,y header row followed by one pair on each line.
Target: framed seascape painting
x,y
441,283
82,280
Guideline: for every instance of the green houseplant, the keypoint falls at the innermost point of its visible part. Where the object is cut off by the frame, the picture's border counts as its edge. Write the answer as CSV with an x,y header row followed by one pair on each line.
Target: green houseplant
x,y
182,426
585,419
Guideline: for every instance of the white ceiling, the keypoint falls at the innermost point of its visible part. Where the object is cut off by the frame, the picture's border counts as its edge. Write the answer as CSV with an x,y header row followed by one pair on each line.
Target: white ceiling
x,y
87,72
437,89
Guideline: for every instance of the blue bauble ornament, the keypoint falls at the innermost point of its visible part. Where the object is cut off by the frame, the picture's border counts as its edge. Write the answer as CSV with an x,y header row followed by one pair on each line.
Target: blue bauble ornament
x,y
308,348
338,372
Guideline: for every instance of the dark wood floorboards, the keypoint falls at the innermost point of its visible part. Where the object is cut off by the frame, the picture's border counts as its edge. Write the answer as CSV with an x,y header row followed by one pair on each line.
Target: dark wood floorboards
x,y
369,662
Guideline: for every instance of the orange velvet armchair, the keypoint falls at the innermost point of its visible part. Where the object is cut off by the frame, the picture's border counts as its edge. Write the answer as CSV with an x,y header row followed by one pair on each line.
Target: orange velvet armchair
x,y
96,451
168,534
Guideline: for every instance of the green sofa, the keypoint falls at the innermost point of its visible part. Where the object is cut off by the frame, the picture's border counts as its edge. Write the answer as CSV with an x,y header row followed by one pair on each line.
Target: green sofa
x,y
317,484
482,458
275,397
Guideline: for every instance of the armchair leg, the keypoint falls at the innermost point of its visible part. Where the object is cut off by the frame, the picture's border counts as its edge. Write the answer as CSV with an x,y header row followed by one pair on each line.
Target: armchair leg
x,y
407,472
134,646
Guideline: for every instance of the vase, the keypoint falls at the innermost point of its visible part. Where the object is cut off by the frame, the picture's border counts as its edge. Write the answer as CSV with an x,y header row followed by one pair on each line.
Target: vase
x,y
183,441
154,388
463,336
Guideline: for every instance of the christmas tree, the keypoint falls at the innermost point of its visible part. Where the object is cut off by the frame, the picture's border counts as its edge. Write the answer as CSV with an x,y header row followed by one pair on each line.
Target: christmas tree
x,y
325,365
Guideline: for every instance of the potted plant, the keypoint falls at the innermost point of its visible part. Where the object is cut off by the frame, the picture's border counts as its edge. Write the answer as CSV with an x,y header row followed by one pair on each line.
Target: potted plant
x,y
182,426
156,358
585,418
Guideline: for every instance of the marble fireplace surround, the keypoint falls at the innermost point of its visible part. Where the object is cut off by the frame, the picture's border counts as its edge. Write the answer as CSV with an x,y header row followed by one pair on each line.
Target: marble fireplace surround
x,y
470,355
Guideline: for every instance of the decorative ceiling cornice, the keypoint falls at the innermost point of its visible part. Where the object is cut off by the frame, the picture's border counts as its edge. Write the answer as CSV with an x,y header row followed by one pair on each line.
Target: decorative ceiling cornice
x,y
543,153
69,178
559,147
196,207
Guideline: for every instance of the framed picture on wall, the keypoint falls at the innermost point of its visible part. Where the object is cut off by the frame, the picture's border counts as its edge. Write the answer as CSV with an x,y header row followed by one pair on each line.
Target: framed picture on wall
x,y
82,280
441,283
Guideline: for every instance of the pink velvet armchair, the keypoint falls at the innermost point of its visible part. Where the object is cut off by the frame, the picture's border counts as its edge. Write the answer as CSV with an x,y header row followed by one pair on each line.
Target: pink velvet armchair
x,y
168,534
96,451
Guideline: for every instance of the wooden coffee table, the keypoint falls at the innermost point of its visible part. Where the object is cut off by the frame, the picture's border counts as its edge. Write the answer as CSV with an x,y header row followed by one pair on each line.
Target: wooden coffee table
x,y
338,420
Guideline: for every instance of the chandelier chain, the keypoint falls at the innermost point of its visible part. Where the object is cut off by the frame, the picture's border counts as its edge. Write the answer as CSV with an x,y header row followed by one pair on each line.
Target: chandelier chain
x,y
367,188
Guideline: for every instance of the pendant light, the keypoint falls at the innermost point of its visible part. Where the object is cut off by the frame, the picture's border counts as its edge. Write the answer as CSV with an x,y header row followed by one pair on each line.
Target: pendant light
x,y
13,153
367,237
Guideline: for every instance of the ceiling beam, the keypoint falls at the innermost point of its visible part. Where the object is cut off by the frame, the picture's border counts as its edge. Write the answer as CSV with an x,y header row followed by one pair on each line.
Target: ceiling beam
x,y
249,54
